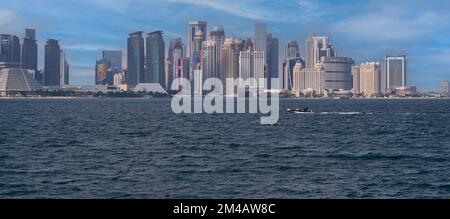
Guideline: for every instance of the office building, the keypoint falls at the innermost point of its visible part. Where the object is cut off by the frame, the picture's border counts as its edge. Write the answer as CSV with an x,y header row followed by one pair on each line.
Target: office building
x,y
217,34
445,88
313,79
317,47
9,49
135,59
52,63
298,79
261,37
229,59
114,57
356,79
210,59
288,72
103,73
195,27
272,60
251,65
396,71
337,73
63,69
370,79
291,50
196,57
155,59
175,54
29,50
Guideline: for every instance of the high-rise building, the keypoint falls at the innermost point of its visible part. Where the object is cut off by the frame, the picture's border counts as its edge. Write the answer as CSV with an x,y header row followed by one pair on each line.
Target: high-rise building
x,y
356,75
63,69
272,60
175,56
261,37
396,71
210,59
135,59
9,49
251,65
370,78
246,45
229,59
52,65
196,58
103,72
114,57
181,70
299,78
194,28
313,79
337,73
316,48
287,79
445,88
291,50
29,50
119,78
217,34
155,50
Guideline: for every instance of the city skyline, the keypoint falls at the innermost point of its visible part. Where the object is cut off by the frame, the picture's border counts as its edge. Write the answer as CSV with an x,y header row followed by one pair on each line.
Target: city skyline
x,y
415,34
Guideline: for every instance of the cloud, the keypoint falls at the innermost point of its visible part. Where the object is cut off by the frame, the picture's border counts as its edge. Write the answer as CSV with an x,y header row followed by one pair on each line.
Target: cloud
x,y
389,24
81,75
7,16
88,47
260,9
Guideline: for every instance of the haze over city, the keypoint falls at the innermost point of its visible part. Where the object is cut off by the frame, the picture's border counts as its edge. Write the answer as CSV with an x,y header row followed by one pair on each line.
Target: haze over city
x,y
365,31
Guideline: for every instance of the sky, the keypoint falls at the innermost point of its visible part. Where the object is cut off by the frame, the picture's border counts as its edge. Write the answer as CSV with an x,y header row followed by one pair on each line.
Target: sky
x,y
365,30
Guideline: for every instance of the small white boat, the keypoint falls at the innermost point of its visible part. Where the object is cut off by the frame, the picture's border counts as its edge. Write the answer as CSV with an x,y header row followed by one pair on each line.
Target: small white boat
x,y
300,111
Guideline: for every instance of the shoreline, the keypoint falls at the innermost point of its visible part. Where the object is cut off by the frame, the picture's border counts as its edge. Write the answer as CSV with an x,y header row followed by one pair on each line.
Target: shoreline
x,y
283,98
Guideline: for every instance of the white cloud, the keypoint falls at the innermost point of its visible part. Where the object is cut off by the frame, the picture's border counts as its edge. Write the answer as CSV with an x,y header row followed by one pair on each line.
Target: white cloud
x,y
389,24
88,47
7,16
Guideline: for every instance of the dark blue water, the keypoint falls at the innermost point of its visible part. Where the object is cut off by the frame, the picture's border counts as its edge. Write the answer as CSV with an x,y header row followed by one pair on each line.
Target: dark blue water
x,y
124,148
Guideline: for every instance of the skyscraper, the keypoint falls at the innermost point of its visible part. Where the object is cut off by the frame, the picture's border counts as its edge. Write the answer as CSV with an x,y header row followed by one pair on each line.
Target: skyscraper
x,y
396,71
229,59
29,50
272,60
196,57
287,79
251,65
299,78
316,48
103,72
217,34
63,69
291,50
52,63
115,57
445,88
356,76
370,78
261,37
337,73
175,56
210,59
194,27
135,59
155,50
9,49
